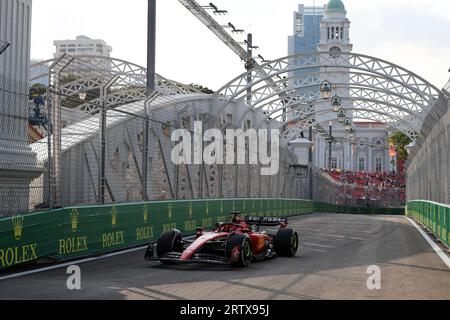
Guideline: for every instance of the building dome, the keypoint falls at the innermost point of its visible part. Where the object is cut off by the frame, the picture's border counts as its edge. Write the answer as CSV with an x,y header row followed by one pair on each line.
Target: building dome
x,y
335,6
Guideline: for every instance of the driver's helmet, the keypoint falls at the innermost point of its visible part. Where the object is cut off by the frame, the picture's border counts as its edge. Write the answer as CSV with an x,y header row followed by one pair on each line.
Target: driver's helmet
x,y
236,216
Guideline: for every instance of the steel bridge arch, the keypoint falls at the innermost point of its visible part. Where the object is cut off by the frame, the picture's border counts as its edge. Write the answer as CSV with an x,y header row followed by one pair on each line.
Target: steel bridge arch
x,y
93,72
371,79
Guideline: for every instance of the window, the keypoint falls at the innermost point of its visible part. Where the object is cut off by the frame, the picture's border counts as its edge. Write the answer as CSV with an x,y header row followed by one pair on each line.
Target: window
x,y
378,164
299,24
334,163
362,164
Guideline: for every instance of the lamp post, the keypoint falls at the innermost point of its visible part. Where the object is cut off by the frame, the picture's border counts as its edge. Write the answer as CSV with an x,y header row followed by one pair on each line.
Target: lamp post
x,y
102,121
151,43
330,145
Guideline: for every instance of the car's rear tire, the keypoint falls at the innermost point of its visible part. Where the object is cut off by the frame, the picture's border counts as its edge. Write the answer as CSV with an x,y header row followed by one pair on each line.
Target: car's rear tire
x,y
286,243
245,256
170,241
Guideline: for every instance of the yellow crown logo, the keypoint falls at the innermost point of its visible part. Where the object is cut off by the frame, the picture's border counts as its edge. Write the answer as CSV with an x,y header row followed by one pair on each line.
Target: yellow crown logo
x,y
190,210
17,222
145,214
74,220
114,217
207,208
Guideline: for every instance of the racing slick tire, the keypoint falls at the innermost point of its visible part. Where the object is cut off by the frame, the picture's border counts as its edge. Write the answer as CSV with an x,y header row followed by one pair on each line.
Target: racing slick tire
x,y
170,241
286,243
245,250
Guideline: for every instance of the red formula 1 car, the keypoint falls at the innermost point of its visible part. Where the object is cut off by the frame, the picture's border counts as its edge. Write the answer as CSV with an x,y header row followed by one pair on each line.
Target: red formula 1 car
x,y
237,243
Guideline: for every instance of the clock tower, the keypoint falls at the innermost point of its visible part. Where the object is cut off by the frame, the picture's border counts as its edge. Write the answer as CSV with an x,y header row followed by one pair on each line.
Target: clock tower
x,y
334,43
335,28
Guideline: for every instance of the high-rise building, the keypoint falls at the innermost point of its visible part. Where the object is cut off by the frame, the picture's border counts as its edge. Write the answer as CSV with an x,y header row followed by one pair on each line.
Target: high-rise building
x,y
306,36
82,45
306,31
18,165
85,46
15,29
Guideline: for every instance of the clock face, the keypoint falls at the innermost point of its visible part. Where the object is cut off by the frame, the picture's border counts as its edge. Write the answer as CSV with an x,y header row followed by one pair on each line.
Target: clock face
x,y
335,52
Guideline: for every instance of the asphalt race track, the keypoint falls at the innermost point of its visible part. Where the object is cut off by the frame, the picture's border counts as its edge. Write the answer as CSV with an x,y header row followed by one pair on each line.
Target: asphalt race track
x,y
332,263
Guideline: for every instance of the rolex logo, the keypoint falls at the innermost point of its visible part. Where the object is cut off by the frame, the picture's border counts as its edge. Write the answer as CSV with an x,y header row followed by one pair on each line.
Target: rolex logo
x,y
17,222
221,207
207,208
74,220
114,217
190,210
145,214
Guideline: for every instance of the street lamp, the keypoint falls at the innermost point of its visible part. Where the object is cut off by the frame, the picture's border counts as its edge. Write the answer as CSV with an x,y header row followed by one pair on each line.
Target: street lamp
x,y
342,115
348,125
352,133
325,89
336,103
83,93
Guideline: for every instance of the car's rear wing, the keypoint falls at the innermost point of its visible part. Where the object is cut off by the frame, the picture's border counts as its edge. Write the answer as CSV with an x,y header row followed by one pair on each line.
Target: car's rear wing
x,y
266,221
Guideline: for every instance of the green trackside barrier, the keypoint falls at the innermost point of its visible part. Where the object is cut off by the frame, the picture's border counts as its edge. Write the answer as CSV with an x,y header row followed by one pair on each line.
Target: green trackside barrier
x,y
435,216
326,207
81,231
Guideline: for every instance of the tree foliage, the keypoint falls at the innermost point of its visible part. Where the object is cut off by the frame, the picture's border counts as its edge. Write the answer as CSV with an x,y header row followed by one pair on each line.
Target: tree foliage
x,y
37,89
401,140
203,89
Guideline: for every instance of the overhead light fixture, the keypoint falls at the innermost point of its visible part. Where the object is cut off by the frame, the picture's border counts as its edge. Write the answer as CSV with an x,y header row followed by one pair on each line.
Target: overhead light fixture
x,y
83,93
342,115
325,89
336,103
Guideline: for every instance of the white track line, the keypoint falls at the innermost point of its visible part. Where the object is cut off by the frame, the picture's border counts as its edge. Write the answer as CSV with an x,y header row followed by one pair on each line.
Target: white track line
x,y
435,247
59,266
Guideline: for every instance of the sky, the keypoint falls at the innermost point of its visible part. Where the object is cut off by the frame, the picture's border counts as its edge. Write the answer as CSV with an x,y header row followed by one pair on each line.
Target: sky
x,y
414,34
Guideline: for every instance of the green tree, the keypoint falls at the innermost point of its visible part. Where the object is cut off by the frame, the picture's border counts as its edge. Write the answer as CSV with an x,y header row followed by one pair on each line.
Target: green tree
x,y
201,88
401,140
37,89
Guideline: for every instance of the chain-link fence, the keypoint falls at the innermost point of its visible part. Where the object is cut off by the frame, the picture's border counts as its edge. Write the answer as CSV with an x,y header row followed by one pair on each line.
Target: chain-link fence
x,y
76,180
429,166
63,136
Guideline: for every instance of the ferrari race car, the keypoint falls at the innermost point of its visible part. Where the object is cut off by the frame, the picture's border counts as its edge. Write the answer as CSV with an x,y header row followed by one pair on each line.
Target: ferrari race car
x,y
237,243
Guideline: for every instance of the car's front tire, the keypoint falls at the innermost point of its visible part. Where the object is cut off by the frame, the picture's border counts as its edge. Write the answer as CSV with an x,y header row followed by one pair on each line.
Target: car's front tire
x,y
286,243
239,250
170,241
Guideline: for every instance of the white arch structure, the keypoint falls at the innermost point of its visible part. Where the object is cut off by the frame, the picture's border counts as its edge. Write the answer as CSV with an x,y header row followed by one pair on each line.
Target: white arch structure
x,y
379,91
92,72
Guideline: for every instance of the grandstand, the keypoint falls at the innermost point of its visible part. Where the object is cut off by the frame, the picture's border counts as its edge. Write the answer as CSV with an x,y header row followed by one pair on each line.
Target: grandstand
x,y
363,189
